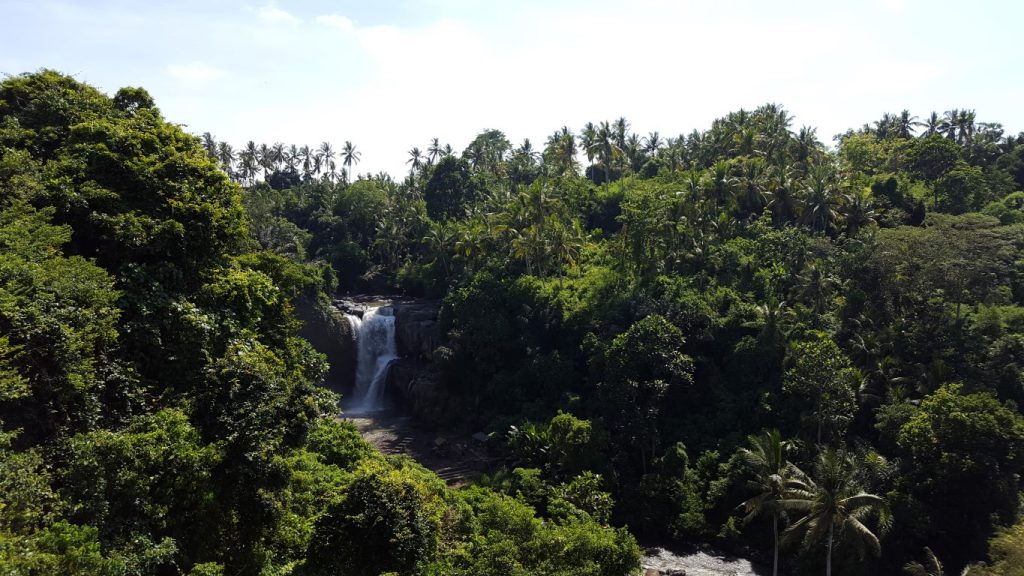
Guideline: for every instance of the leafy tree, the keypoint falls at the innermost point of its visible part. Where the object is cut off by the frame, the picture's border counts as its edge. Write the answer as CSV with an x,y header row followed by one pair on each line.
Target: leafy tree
x,y
386,521
641,365
965,451
449,189
961,189
823,380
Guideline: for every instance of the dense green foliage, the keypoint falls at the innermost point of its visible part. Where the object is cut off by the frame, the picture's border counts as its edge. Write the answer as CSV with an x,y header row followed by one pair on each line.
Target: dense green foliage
x,y
737,336
158,412
636,323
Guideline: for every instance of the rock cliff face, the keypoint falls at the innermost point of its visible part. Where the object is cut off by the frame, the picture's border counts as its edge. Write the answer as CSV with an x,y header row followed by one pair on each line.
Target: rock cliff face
x,y
419,388
327,329
416,328
414,380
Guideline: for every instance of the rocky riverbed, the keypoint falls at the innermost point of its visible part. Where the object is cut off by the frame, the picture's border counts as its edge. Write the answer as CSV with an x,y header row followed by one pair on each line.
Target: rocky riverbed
x,y
662,562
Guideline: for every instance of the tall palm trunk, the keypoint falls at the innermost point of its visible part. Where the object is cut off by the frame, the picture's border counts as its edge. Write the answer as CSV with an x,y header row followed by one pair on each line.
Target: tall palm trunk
x,y
828,561
775,532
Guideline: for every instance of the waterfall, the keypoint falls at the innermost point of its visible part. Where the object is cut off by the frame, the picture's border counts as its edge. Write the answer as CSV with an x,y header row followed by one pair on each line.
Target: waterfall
x,y
375,349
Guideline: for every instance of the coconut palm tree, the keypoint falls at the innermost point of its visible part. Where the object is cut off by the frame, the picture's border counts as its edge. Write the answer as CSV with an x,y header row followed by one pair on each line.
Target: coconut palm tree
x,y
653,142
722,184
434,151
210,143
440,241
806,144
277,154
858,211
247,166
633,152
265,159
306,155
821,198
327,158
226,155
833,506
606,149
588,138
905,124
560,152
415,160
292,158
766,456
933,125
620,128
349,157
930,567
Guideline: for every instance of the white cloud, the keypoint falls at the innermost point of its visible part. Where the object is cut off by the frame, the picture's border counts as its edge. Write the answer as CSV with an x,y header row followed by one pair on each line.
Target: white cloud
x,y
275,15
195,72
336,21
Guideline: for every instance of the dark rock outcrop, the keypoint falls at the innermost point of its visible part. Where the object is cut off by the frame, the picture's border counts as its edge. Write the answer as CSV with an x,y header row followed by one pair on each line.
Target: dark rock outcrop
x,y
419,389
417,332
415,380
327,329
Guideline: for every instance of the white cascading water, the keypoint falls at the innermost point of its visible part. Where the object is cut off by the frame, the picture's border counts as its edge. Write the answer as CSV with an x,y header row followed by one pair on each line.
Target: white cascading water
x,y
375,349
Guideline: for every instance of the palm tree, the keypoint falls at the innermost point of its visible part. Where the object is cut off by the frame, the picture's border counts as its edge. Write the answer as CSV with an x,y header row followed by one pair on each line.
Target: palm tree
x,y
250,162
947,124
306,154
605,147
723,184
634,152
265,159
858,211
588,136
931,566
247,166
933,125
965,127
905,124
349,157
415,159
755,182
277,154
210,143
620,128
653,142
767,457
226,154
291,158
434,151
327,158
440,241
821,199
560,152
806,143
833,506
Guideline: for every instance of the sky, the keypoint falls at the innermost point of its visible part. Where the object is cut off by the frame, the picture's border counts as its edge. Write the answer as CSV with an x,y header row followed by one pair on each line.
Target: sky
x,y
391,75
